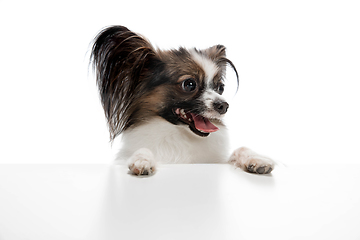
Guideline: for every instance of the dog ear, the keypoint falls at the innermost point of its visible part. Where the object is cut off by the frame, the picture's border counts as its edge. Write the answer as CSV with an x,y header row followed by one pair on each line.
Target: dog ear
x,y
121,60
218,54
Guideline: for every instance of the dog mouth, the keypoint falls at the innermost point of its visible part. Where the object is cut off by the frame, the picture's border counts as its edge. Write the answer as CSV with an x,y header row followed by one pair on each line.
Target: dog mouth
x,y
198,124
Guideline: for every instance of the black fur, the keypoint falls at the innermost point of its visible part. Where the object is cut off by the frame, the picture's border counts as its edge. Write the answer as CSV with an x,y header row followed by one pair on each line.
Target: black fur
x,y
121,59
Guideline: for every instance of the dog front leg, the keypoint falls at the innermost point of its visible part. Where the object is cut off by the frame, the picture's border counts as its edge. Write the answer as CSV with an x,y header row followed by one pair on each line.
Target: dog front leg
x,y
251,162
142,162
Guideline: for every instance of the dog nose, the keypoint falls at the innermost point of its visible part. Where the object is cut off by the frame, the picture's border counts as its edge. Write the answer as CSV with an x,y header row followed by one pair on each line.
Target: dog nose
x,y
221,107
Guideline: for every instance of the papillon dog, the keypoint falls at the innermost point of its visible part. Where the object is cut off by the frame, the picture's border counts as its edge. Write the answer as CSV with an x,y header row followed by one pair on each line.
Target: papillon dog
x,y
166,104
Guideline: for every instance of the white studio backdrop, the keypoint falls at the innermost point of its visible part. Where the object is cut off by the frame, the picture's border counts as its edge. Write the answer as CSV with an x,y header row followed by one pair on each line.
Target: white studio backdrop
x,y
299,66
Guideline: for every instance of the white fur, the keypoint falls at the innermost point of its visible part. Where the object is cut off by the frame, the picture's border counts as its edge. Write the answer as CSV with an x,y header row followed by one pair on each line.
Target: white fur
x,y
210,68
209,97
249,160
159,141
142,161
171,143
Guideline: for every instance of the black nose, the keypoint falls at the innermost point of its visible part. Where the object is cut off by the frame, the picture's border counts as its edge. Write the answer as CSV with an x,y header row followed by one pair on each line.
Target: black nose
x,y
221,107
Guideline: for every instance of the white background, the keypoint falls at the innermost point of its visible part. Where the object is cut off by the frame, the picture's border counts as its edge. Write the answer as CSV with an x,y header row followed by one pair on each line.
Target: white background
x,y
299,66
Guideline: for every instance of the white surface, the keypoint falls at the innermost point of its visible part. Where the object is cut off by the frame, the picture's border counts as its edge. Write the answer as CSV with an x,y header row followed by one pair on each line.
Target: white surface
x,y
97,202
298,63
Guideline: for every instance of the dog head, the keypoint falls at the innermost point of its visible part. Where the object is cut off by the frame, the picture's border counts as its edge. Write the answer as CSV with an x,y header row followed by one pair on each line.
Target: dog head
x,y
137,82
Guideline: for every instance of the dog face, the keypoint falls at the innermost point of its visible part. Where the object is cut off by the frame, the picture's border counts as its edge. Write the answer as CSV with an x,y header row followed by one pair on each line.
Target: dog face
x,y
137,82
197,83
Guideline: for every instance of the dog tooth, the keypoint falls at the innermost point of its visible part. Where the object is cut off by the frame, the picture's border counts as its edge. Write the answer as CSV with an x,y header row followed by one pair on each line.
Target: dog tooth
x,y
182,111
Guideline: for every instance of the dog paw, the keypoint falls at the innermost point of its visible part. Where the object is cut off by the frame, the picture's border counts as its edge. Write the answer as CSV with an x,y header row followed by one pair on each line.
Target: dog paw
x,y
251,162
260,168
142,162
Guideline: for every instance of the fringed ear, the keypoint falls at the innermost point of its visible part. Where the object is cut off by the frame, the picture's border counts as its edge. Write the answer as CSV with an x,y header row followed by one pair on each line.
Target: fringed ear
x,y
120,58
216,51
218,54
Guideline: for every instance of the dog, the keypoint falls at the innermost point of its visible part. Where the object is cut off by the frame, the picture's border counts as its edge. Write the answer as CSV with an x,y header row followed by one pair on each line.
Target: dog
x,y
167,104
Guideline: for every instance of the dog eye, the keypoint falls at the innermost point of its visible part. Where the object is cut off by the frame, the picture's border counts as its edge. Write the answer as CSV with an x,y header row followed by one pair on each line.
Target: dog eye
x,y
189,85
221,88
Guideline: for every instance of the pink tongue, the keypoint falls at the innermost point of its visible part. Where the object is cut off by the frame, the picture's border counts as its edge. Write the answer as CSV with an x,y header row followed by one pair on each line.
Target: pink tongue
x,y
203,124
